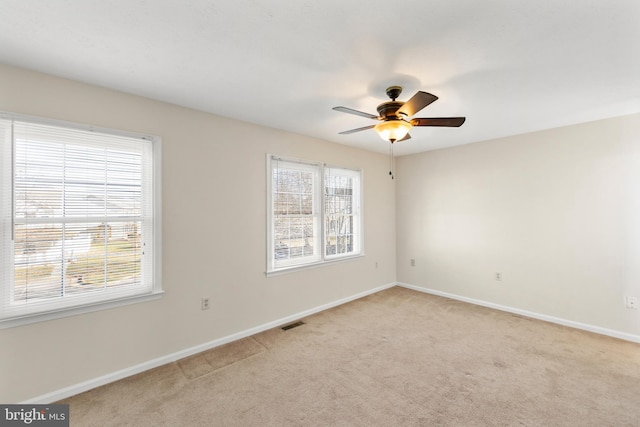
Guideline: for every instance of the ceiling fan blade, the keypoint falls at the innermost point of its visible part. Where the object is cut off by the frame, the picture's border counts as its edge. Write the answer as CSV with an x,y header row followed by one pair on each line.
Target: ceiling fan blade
x,y
346,132
416,103
405,138
356,112
452,122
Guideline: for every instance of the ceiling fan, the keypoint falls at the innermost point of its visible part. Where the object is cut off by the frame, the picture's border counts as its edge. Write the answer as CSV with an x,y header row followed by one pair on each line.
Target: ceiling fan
x,y
394,116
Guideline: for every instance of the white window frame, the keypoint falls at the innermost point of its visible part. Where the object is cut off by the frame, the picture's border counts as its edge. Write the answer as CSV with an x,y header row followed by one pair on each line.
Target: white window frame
x,y
356,177
12,314
319,257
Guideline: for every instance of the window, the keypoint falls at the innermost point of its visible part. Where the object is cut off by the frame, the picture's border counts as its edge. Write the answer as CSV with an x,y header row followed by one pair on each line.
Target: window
x,y
80,219
341,212
314,214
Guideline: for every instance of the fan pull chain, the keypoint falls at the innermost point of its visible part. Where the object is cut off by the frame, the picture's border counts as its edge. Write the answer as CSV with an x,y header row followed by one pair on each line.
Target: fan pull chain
x,y
391,160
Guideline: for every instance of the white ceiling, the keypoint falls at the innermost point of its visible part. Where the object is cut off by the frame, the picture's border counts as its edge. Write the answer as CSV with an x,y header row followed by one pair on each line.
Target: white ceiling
x,y
509,66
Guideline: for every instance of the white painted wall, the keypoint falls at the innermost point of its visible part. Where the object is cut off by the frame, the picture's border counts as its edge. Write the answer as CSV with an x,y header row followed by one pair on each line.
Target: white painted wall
x,y
556,212
214,236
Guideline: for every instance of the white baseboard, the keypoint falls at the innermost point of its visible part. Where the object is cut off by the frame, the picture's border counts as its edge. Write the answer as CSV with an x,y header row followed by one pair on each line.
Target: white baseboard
x,y
145,366
570,323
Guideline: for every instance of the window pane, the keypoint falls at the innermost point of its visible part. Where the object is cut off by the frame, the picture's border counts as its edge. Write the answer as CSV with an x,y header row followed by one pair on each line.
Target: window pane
x,y
38,262
53,260
294,204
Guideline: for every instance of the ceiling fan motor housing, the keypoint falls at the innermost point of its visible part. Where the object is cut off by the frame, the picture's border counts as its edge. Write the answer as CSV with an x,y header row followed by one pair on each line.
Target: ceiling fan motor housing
x,y
387,110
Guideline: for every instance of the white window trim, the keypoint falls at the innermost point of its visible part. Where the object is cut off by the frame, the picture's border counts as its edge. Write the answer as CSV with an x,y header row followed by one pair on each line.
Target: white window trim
x,y
323,259
156,291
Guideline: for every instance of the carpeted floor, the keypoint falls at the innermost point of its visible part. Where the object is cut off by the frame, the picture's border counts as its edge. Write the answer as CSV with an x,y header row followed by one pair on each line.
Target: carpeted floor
x,y
395,358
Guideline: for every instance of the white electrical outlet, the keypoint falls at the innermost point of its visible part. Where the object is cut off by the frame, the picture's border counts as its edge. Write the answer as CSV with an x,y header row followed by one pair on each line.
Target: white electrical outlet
x,y
412,262
498,276
204,304
631,302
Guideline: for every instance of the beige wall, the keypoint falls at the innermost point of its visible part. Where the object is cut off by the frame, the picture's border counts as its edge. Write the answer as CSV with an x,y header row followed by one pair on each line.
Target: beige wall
x,y
556,212
213,233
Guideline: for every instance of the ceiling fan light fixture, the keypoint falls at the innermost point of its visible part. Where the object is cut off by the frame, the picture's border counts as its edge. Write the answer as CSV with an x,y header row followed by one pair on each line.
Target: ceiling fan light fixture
x,y
393,130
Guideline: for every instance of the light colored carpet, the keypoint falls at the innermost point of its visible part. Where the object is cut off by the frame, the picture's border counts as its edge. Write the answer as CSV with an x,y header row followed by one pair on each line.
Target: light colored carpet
x,y
395,358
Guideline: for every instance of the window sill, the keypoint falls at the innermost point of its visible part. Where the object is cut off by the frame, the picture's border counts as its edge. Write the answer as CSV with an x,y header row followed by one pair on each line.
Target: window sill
x,y
323,263
72,311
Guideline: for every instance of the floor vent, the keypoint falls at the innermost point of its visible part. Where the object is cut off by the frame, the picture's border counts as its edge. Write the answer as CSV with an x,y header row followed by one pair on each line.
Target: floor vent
x,y
292,325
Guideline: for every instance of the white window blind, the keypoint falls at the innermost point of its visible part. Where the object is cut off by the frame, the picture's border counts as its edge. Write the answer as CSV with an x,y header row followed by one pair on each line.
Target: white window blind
x,y
314,214
78,217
